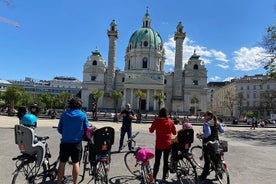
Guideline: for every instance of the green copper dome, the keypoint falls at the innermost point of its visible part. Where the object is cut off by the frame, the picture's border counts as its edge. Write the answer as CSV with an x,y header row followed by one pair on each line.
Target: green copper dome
x,y
146,36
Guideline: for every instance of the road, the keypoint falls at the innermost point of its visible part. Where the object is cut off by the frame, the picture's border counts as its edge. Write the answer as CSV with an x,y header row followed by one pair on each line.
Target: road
x,y
251,156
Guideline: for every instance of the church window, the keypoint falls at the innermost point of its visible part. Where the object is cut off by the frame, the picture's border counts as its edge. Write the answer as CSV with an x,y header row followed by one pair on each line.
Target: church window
x,y
94,62
123,79
195,67
93,78
165,81
195,82
145,62
128,66
146,43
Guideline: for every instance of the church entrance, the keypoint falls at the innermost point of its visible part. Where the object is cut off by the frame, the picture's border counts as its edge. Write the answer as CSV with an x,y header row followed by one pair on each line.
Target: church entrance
x,y
143,105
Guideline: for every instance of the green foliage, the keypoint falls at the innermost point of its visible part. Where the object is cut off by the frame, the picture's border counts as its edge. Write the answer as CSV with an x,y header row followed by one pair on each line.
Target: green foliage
x,y
160,98
269,43
13,94
249,114
116,95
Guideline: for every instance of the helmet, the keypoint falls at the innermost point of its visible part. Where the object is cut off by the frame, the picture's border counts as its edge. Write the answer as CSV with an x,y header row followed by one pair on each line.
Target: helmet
x,y
29,120
187,125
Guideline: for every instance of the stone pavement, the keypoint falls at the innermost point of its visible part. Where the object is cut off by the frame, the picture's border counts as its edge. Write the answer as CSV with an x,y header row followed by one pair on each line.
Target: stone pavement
x,y
250,156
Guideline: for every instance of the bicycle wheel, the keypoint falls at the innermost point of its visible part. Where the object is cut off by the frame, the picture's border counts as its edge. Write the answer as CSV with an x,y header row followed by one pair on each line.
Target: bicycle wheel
x,y
101,176
27,172
222,173
198,157
85,162
186,171
131,164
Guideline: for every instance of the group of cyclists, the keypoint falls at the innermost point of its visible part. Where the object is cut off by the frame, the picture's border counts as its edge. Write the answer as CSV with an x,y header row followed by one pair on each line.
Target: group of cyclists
x,y
73,124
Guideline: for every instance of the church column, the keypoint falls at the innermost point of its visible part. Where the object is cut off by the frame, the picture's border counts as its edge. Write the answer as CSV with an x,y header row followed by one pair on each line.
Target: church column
x,y
113,36
131,96
179,37
148,99
124,98
154,103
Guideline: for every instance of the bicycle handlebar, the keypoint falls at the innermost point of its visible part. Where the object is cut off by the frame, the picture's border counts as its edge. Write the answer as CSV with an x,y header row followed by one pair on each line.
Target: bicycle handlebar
x,y
135,135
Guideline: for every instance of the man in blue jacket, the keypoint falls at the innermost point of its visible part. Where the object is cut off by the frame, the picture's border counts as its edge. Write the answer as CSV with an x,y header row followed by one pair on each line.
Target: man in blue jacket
x,y
72,125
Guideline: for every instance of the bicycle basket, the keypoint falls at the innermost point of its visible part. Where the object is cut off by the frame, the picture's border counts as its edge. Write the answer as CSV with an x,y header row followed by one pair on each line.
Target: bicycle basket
x,y
223,145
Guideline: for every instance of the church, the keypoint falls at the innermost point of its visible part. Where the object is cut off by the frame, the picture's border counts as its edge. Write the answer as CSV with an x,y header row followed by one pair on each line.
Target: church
x,y
184,89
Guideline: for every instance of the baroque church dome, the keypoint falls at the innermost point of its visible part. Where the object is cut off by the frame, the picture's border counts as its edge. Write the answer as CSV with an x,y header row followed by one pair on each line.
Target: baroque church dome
x,y
145,36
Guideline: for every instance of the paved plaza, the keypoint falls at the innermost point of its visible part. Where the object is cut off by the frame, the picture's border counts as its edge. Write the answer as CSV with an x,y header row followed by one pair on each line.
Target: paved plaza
x,y
251,156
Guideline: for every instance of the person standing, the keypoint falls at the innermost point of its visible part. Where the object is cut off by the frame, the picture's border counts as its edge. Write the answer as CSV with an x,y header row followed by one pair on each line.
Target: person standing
x,y
164,128
211,129
72,125
128,115
34,109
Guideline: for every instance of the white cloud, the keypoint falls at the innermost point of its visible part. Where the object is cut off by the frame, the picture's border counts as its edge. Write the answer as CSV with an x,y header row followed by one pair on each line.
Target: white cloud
x,y
229,78
215,78
189,47
247,59
223,66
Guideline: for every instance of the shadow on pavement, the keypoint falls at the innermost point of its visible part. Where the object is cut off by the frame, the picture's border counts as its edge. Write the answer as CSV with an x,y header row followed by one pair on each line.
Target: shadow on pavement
x,y
267,137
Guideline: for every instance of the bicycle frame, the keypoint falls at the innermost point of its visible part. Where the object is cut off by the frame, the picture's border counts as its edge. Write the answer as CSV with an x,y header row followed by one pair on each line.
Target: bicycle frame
x,y
131,139
27,165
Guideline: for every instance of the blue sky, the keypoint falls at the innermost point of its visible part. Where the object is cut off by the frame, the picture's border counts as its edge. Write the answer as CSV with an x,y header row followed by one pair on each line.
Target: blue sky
x,y
55,37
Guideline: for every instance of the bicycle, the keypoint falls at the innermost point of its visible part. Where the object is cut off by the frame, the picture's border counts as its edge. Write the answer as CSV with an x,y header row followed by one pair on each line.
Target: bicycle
x,y
181,161
131,139
31,167
98,148
141,169
218,164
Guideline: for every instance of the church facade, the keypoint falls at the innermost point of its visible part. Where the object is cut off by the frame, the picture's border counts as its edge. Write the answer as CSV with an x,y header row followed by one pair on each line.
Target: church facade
x,y
185,88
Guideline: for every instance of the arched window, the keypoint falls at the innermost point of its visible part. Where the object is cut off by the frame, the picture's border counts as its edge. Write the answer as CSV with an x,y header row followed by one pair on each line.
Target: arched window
x,y
94,62
93,78
145,62
146,43
195,67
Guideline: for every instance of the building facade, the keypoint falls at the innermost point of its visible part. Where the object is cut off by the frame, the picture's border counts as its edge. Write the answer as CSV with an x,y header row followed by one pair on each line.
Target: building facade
x,y
250,93
144,70
55,86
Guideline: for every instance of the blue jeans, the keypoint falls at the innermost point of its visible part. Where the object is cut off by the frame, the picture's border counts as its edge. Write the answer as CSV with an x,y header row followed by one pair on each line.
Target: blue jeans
x,y
124,130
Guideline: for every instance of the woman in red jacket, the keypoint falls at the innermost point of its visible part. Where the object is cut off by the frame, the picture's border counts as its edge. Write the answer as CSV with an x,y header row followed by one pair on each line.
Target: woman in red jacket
x,y
164,128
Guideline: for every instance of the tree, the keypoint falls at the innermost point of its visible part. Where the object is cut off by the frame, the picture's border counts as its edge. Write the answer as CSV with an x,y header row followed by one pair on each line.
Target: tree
x,y
160,99
139,94
229,101
63,99
13,94
240,99
97,94
269,43
116,96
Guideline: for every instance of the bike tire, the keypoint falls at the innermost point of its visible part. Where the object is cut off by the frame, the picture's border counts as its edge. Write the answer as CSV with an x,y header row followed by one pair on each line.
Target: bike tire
x,y
101,175
131,164
26,174
85,162
198,157
186,171
222,174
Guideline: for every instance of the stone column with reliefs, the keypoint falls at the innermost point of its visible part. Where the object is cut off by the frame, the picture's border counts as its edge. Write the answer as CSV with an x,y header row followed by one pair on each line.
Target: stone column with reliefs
x,y
113,35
